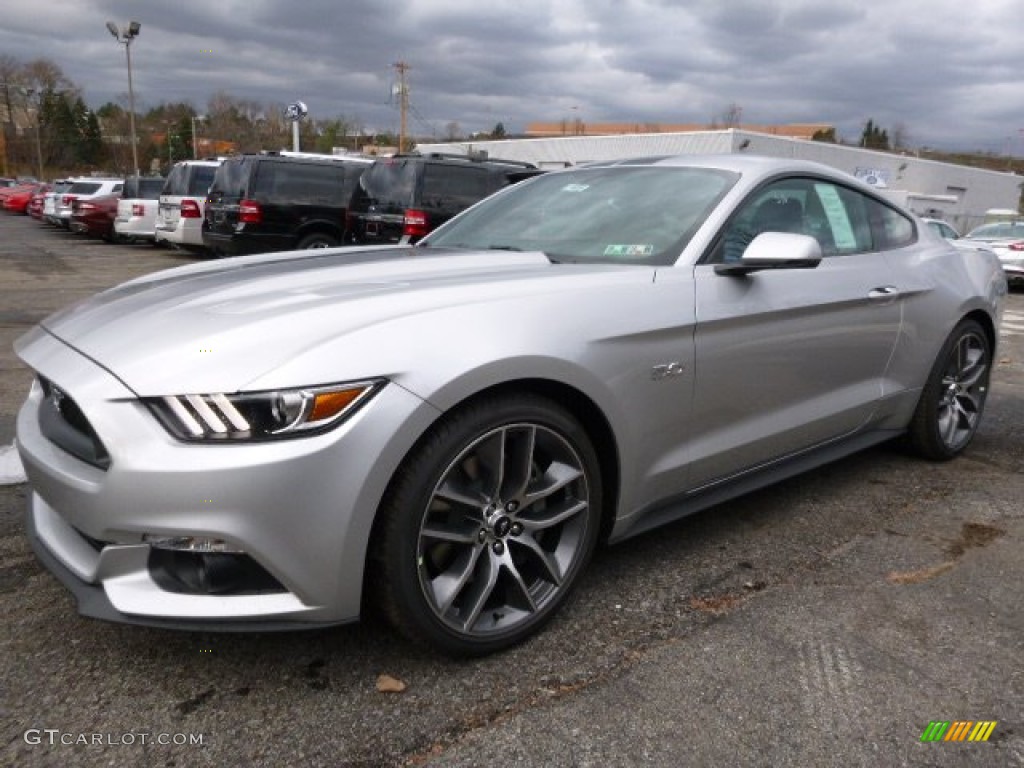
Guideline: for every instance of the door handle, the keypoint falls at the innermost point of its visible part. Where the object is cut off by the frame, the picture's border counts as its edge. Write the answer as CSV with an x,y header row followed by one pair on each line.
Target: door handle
x,y
884,293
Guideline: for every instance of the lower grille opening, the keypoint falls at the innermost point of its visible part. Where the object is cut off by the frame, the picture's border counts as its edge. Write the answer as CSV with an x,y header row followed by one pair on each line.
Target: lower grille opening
x,y
206,573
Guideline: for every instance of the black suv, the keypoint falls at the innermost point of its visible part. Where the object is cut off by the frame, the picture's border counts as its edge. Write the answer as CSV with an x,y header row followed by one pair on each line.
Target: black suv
x,y
402,198
280,201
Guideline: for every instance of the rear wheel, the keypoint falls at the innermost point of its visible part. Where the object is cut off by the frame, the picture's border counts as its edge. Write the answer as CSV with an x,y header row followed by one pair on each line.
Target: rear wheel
x,y
318,240
953,398
487,526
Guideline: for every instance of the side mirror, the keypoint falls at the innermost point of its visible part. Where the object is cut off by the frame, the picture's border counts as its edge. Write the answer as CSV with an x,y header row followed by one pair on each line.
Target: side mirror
x,y
775,250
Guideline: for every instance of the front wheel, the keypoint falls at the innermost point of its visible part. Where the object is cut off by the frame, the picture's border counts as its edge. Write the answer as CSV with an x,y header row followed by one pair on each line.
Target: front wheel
x,y
953,398
487,526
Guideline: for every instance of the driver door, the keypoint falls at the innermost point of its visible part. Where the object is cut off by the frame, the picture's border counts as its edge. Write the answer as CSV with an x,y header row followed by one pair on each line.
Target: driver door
x,y
787,359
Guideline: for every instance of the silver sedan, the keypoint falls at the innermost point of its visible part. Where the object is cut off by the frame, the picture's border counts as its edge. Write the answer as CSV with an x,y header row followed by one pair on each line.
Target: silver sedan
x,y
444,432
1007,240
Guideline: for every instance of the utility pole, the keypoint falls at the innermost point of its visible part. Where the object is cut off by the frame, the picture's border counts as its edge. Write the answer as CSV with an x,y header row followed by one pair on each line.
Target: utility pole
x,y
403,101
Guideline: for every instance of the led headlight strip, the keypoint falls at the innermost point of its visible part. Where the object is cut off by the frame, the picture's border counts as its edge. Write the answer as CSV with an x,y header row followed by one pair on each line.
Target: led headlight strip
x,y
260,415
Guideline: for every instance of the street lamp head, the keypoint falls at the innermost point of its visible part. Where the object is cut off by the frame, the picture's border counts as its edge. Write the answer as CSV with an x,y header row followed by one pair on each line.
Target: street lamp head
x,y
125,36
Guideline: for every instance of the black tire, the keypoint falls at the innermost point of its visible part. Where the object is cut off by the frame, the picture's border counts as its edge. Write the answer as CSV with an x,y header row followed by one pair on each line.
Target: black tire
x,y
487,526
318,240
953,398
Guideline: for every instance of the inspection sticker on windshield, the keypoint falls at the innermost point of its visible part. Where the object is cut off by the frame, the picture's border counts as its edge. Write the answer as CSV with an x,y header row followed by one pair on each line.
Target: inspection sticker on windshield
x,y
629,250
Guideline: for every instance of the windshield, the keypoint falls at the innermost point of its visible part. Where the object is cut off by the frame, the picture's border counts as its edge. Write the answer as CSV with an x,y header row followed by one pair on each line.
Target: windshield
x,y
619,214
1006,230
84,188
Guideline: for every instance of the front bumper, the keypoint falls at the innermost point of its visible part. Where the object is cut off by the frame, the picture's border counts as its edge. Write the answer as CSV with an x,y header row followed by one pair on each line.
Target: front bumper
x,y
301,510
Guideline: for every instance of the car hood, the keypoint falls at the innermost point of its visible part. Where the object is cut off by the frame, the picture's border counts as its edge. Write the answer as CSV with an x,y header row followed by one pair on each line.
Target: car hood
x,y
219,326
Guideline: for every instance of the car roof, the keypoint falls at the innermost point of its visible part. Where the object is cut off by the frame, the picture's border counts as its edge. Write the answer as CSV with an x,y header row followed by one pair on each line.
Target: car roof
x,y
742,163
1007,229
455,158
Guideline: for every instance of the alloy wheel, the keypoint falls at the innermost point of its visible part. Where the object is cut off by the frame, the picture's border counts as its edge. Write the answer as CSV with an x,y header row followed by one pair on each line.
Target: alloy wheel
x,y
503,530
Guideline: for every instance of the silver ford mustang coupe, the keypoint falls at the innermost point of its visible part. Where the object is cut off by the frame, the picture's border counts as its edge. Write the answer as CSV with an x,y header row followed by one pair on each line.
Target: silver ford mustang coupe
x,y
444,432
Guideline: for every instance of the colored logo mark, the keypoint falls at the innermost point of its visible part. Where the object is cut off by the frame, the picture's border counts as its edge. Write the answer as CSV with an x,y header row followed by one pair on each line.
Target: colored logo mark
x,y
959,730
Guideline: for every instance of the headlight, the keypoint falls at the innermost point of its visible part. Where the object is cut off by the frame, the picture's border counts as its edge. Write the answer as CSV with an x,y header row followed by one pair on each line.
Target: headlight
x,y
260,415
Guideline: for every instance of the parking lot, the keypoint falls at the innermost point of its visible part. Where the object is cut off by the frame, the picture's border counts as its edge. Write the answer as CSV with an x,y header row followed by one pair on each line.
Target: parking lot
x,y
826,620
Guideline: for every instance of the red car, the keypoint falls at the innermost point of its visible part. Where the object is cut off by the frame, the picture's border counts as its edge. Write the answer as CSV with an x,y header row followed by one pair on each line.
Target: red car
x,y
95,216
18,198
7,192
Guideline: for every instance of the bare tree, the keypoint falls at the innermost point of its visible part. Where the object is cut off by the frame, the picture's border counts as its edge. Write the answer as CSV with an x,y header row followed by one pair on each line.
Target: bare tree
x,y
731,116
452,131
900,137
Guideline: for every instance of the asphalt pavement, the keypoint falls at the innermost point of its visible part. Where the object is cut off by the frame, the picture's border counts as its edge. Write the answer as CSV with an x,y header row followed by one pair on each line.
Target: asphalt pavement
x,y
829,620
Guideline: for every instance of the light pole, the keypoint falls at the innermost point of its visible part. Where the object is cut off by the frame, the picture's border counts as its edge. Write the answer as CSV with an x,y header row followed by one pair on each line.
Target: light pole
x,y
195,146
170,158
125,36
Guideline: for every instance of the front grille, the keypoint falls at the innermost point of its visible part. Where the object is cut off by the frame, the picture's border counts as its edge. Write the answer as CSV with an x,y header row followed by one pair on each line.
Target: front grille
x,y
64,424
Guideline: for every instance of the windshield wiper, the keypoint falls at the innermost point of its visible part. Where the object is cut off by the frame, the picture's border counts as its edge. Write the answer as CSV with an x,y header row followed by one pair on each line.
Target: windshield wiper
x,y
498,247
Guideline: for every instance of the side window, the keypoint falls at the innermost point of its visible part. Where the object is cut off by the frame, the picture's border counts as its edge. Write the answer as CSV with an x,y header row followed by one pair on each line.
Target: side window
x,y
844,219
779,207
892,228
452,188
266,176
861,224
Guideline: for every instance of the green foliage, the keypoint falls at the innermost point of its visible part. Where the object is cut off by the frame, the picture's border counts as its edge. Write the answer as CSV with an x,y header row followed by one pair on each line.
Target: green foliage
x,y
827,135
874,137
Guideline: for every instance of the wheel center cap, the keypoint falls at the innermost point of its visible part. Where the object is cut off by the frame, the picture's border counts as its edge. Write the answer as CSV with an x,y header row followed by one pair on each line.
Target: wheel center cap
x,y
501,527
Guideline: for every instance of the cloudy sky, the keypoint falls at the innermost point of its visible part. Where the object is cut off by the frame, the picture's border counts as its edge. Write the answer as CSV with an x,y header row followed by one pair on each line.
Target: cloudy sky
x,y
949,73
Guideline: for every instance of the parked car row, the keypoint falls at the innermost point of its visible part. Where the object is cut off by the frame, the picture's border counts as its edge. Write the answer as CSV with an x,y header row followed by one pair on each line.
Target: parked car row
x,y
279,201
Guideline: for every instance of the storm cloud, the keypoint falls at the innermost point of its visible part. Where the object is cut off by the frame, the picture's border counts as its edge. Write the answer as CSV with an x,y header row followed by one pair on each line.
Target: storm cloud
x,y
948,74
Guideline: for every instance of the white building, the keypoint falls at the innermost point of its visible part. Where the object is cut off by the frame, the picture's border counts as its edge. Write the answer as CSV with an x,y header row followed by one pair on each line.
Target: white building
x,y
957,193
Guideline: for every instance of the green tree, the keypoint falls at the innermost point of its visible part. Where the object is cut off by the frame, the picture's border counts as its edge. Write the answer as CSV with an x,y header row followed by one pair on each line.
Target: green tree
x,y
827,135
874,137
91,150
498,132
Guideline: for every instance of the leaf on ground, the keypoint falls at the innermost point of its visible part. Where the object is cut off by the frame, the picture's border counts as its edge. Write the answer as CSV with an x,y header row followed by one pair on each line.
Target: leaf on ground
x,y
389,684
918,576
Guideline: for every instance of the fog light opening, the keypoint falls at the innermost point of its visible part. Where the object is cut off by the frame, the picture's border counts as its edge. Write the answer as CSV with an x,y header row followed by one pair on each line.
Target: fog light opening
x,y
194,572
198,544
